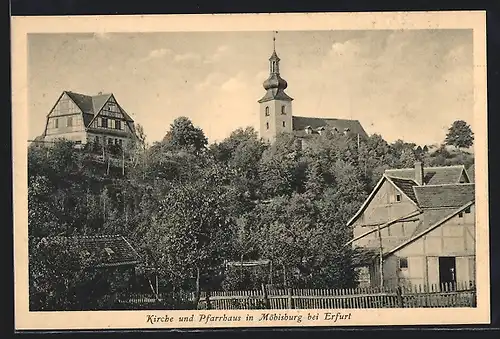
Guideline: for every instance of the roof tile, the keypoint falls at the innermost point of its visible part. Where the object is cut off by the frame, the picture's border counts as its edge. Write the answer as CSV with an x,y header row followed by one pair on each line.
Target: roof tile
x,y
439,196
300,123
406,185
109,250
432,175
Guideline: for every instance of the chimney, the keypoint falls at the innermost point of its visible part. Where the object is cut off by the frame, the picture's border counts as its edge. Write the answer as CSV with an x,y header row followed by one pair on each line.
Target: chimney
x,y
419,173
100,93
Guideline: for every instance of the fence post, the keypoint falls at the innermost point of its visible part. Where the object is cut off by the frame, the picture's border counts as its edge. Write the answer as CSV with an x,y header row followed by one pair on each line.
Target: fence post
x,y
290,299
207,300
266,298
399,297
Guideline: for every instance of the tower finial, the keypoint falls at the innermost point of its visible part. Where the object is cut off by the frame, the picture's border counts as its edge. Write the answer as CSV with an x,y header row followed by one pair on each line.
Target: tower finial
x,y
274,41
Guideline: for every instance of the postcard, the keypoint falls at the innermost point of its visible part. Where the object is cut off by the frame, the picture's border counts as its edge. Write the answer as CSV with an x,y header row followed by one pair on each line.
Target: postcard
x,y
250,170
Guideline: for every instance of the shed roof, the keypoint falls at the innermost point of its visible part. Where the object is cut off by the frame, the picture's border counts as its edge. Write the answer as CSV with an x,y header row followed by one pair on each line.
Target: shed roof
x,y
105,250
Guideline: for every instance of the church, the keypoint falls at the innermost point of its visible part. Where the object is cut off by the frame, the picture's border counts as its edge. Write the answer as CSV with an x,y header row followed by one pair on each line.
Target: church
x,y
276,111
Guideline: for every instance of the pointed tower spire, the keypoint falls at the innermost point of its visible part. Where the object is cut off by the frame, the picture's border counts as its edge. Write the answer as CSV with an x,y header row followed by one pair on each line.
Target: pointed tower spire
x,y
275,84
274,41
275,105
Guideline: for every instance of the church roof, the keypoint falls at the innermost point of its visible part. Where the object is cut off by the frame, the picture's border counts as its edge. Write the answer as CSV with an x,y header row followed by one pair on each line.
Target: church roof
x,y
354,126
275,95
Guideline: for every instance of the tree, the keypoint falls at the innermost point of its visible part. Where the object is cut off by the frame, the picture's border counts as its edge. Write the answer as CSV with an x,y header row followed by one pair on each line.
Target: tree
x,y
188,233
459,135
184,135
63,276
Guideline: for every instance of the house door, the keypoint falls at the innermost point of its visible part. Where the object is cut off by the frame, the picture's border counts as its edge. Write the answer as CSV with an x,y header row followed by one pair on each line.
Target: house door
x,y
447,270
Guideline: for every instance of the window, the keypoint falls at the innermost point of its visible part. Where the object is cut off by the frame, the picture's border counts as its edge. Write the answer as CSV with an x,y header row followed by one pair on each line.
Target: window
x,y
96,139
109,251
403,262
110,141
267,125
111,123
56,123
461,214
69,121
467,210
284,124
118,124
283,109
120,142
267,111
398,197
104,122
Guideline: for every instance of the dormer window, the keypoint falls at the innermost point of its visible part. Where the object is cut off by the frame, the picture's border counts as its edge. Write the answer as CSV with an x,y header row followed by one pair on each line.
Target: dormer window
x,y
109,251
308,129
283,109
321,130
267,111
467,210
346,130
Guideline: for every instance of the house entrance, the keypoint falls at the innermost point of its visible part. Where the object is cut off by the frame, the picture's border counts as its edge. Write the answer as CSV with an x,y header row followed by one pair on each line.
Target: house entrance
x,y
447,270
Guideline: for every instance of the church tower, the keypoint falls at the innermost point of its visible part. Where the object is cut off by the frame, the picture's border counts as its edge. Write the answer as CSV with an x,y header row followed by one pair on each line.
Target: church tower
x,y
275,106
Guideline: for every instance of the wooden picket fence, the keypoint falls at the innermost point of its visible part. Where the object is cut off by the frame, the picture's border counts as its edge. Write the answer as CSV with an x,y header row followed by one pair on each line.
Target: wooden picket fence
x,y
445,295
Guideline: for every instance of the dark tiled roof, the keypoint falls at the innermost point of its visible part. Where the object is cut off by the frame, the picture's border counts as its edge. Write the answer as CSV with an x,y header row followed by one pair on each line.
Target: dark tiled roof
x,y
406,185
91,105
432,175
470,173
83,101
455,195
300,123
106,250
275,95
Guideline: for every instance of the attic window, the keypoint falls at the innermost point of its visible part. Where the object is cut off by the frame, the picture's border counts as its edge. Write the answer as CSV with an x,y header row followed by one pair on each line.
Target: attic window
x,y
403,262
461,214
267,111
109,251
398,197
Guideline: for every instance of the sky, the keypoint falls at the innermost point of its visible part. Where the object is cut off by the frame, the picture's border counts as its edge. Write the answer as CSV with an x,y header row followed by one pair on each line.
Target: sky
x,y
402,84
